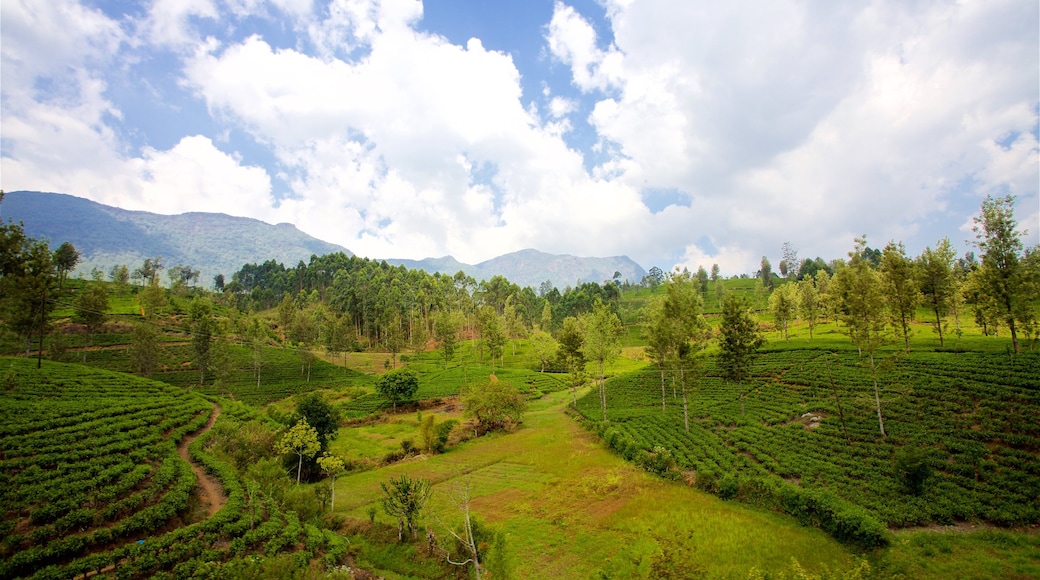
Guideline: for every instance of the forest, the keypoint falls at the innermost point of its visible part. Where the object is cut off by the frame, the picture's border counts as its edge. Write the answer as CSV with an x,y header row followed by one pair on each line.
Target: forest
x,y
861,417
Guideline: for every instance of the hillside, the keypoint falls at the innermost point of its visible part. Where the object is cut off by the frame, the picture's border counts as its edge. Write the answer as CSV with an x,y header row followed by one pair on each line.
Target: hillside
x,y
221,244
107,236
531,268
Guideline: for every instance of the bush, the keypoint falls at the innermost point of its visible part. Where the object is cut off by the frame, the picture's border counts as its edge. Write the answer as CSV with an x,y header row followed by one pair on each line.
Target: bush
x,y
913,468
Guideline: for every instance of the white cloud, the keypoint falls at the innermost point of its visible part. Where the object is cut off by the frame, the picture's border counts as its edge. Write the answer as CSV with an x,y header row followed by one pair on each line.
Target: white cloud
x,y
196,176
168,22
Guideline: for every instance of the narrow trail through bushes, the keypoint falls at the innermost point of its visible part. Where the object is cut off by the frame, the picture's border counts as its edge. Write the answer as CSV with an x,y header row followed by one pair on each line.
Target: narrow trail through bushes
x,y
211,492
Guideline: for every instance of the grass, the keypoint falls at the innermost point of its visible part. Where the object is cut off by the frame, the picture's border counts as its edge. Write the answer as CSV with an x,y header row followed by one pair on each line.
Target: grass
x,y
570,508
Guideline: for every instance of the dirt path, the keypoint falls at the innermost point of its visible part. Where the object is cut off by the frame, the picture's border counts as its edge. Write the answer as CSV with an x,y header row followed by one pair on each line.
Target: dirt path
x,y
210,491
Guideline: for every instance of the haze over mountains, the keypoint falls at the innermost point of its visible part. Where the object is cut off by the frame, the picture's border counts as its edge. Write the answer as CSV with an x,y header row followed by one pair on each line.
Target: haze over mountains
x,y
220,244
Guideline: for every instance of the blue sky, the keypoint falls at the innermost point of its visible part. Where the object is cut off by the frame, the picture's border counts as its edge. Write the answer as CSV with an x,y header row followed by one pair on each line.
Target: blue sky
x,y
676,132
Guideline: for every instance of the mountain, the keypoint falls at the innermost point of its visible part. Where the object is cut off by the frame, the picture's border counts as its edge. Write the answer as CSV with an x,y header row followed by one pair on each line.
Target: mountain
x,y
106,236
221,244
531,268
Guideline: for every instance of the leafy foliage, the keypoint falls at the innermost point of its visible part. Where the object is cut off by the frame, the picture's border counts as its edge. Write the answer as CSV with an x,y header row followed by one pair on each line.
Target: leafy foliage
x,y
398,386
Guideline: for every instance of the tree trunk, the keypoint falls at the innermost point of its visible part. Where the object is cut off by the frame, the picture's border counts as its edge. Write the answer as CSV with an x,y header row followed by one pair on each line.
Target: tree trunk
x,y
685,409
740,386
877,395
662,389
299,468
938,325
602,390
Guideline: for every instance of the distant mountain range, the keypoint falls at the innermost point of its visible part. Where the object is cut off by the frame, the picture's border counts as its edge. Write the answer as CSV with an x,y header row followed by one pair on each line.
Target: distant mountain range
x,y
221,244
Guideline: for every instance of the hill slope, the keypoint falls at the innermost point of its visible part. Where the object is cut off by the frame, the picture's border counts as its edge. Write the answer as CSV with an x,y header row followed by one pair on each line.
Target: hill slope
x,y
531,268
107,236
217,243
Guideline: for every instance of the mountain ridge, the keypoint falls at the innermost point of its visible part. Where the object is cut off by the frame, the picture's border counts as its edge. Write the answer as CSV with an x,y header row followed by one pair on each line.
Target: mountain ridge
x,y
216,243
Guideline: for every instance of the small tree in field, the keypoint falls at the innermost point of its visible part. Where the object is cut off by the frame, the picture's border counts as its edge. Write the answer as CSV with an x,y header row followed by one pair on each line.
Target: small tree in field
x,y
398,386
602,344
738,343
91,305
405,498
301,440
332,466
494,404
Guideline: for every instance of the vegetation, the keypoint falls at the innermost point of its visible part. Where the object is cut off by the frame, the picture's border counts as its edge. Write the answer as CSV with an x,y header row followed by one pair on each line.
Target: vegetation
x,y
308,367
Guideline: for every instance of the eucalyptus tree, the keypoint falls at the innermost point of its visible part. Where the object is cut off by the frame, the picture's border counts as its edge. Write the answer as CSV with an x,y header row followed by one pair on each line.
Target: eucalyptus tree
x,y
65,259
863,311
739,340
937,283
900,288
204,328
809,304
571,338
1001,275
679,332
90,308
783,304
602,344
657,331
446,326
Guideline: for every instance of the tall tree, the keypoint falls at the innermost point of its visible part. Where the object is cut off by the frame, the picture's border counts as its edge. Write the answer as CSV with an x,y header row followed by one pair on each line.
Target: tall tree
x,y
333,467
404,499
863,309
899,288
739,340
658,334
144,348
65,259
602,344
765,274
544,346
301,440
1000,271
809,305
783,304
203,329
446,325
684,329
789,266
571,339
937,283
90,306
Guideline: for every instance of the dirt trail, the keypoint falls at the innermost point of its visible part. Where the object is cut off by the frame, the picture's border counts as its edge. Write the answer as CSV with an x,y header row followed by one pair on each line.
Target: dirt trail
x,y
210,491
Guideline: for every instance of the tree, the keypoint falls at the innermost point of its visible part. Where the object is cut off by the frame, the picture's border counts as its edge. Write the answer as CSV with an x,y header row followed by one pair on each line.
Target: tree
x,y
937,283
332,466
659,339
302,440
899,288
1000,272
602,344
404,499
702,280
494,404
783,304
739,340
714,272
153,300
809,305
789,266
863,310
65,259
320,415
765,274
571,339
256,337
120,276
446,332
685,332
545,346
398,386
144,348
492,334
91,305
203,328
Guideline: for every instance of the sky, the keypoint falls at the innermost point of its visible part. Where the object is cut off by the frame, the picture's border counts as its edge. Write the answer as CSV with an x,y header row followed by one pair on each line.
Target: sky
x,y
676,132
